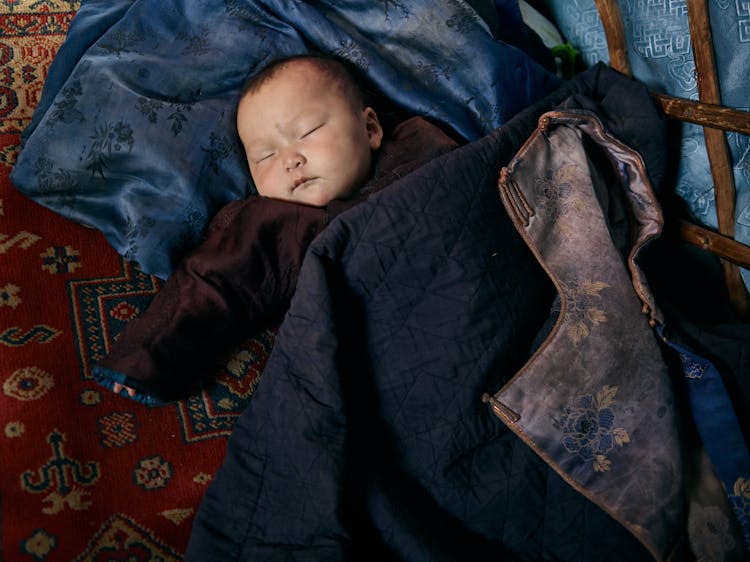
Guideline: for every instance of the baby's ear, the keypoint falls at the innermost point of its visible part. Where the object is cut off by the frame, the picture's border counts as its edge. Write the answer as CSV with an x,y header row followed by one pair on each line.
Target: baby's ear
x,y
374,130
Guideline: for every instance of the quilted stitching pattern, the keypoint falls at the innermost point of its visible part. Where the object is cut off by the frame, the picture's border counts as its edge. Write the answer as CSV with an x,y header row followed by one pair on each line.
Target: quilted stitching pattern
x,y
367,438
379,437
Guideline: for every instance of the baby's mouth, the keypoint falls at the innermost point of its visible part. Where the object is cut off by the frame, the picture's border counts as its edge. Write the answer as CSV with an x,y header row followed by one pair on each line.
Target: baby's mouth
x,y
302,182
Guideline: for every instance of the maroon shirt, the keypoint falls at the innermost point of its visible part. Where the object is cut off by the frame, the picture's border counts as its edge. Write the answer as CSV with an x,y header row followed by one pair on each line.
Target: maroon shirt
x,y
241,278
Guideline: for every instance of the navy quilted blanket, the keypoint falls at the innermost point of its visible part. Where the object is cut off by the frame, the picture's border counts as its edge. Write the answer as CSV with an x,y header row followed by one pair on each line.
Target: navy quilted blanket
x,y
367,438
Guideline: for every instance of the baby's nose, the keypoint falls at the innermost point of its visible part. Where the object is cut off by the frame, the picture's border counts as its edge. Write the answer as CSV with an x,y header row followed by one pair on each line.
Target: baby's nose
x,y
294,160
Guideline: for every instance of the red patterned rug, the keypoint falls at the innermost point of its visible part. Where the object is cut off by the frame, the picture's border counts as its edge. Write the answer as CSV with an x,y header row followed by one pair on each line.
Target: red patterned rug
x,y
86,475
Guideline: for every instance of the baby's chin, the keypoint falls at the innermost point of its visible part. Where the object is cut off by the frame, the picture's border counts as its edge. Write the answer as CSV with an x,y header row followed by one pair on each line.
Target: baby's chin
x,y
324,196
310,201
316,193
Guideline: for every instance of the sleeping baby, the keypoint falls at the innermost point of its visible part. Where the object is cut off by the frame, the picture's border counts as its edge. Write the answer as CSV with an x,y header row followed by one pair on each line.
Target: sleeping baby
x,y
307,134
314,149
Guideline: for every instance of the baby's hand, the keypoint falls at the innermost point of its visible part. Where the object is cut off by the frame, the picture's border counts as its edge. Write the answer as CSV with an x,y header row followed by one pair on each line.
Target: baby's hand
x,y
117,388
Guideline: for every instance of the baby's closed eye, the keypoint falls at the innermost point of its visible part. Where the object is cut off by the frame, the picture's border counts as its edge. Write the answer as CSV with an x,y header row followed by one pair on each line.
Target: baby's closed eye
x,y
257,159
311,130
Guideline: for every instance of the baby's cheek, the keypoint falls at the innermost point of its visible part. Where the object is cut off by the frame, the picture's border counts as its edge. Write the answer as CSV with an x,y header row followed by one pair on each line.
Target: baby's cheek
x,y
262,183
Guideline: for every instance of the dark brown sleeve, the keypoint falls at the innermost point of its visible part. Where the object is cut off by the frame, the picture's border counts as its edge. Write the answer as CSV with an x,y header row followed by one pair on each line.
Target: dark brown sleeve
x,y
240,279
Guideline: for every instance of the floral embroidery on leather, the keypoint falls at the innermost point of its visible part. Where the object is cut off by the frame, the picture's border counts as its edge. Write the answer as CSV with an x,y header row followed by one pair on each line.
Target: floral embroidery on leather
x,y
582,312
556,187
588,428
709,533
691,368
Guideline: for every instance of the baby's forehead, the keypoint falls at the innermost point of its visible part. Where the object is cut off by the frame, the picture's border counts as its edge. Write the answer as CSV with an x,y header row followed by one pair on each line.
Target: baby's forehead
x,y
304,65
314,84
317,77
307,71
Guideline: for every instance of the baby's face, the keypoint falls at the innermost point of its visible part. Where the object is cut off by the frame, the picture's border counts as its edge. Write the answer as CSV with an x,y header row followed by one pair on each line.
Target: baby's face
x,y
304,141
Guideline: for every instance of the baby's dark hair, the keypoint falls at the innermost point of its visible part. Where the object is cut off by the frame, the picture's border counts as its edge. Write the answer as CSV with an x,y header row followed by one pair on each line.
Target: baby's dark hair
x,y
340,73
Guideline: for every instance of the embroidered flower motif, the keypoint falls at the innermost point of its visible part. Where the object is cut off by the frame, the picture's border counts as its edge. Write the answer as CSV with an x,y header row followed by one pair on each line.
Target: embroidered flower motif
x,y
202,478
219,148
152,473
90,397
463,18
60,259
740,500
691,368
742,488
588,427
582,313
351,51
227,404
14,429
40,544
28,383
709,533
8,156
9,296
556,187
109,138
398,5
117,429
123,311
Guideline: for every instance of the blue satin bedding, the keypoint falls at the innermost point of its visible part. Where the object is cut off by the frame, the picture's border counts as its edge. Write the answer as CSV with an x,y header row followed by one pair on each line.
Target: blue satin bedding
x,y
661,56
135,131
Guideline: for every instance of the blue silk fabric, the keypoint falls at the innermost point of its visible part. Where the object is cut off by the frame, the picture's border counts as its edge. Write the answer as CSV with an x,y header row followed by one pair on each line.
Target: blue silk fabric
x,y
718,427
661,56
135,132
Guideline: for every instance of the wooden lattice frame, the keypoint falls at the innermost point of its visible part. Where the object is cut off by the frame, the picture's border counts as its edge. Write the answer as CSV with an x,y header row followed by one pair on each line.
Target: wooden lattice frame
x,y
715,119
